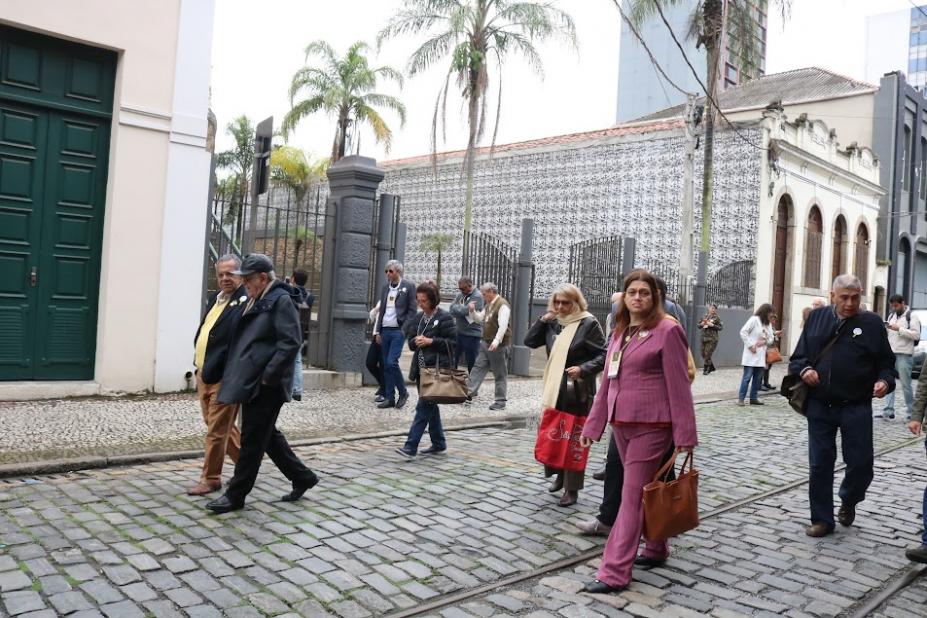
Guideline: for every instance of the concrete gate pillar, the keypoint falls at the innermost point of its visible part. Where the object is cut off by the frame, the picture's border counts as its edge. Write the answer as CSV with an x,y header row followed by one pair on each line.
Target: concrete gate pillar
x,y
353,183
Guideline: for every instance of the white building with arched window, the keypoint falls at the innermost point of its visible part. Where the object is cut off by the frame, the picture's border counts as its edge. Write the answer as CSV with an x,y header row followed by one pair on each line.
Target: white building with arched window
x,y
818,215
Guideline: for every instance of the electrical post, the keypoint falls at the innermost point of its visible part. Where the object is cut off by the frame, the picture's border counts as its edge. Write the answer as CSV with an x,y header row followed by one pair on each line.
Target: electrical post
x,y
687,245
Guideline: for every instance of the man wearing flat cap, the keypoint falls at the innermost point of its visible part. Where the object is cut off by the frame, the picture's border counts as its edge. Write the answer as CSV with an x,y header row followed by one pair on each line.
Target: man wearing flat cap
x,y
259,375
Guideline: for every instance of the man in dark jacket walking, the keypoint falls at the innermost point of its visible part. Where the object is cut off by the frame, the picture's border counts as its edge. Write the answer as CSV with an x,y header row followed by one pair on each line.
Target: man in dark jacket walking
x,y
211,346
397,304
259,375
859,366
469,330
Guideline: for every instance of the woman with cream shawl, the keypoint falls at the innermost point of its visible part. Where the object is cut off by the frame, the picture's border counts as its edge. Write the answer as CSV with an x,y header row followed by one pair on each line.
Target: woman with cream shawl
x,y
575,347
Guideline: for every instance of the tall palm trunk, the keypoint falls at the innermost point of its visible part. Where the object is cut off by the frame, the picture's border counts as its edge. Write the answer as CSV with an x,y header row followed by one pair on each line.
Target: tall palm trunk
x,y
473,118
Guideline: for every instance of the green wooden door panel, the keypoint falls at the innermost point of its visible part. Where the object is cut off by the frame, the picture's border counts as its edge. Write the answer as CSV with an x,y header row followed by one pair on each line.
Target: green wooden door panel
x,y
72,231
41,69
23,137
56,100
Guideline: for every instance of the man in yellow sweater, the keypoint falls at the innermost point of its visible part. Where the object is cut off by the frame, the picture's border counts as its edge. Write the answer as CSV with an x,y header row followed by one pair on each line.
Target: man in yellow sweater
x,y
212,344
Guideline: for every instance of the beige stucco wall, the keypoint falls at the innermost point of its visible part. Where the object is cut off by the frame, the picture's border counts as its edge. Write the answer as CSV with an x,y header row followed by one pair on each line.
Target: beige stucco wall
x,y
144,33
851,117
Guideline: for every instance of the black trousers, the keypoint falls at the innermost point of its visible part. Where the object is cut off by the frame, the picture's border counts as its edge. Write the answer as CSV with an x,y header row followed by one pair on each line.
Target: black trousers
x,y
614,482
258,436
374,364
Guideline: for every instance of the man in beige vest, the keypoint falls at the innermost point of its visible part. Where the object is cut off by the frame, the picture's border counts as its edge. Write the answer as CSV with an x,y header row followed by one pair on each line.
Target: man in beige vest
x,y
496,345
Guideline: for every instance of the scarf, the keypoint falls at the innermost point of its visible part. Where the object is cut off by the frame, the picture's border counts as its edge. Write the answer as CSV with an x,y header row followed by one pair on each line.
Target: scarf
x,y
556,360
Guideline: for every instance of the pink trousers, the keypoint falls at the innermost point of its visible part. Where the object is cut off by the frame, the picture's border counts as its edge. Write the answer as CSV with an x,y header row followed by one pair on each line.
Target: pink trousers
x,y
641,449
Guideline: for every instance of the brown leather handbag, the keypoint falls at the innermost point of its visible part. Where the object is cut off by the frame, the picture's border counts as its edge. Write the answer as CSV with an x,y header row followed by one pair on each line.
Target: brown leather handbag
x,y
671,507
439,385
773,355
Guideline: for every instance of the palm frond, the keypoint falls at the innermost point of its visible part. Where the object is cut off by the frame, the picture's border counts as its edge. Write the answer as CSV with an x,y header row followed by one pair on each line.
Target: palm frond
x,y
381,131
431,51
299,111
384,100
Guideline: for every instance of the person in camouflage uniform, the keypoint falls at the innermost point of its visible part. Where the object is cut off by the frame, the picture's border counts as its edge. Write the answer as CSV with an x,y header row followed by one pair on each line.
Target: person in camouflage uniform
x,y
710,326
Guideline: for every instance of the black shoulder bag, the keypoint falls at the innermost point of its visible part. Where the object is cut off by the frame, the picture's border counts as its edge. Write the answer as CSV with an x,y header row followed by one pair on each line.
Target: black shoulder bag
x,y
794,388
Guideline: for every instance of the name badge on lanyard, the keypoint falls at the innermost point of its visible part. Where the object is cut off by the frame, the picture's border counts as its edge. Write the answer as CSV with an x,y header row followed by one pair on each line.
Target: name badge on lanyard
x,y
614,364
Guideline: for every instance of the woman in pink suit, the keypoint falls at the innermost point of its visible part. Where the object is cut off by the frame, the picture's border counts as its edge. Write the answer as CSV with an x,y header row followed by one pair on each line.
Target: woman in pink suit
x,y
645,395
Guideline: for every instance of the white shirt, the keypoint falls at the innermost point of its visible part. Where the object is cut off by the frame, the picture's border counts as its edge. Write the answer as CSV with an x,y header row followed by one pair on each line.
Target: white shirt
x,y
389,316
906,337
504,314
752,332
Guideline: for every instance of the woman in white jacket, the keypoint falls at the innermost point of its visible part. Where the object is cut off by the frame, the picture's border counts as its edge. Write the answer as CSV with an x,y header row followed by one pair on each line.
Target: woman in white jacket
x,y
756,334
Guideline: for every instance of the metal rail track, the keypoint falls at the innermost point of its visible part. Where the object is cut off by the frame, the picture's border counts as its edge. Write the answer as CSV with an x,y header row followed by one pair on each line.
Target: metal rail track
x,y
564,563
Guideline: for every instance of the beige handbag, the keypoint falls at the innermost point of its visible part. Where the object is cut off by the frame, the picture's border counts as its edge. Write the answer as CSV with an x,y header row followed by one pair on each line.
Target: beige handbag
x,y
437,385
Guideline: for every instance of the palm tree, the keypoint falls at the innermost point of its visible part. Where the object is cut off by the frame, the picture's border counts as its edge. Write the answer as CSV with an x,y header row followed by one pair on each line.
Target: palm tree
x,y
474,33
294,169
437,243
343,87
709,21
240,161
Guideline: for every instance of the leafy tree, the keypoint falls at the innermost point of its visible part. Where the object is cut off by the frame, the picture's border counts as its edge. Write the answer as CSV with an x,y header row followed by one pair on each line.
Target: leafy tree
x,y
437,243
706,25
474,35
344,88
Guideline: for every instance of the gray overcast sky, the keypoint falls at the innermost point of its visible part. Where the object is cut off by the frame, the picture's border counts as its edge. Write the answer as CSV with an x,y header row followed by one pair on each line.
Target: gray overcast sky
x,y
257,50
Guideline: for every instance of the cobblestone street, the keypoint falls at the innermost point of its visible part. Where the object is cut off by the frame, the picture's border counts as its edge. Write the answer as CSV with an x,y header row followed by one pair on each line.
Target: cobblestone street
x,y
380,535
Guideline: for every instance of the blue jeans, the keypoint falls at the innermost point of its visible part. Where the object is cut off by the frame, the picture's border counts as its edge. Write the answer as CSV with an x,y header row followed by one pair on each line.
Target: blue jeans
x,y
903,365
426,415
467,348
298,373
752,376
854,420
391,341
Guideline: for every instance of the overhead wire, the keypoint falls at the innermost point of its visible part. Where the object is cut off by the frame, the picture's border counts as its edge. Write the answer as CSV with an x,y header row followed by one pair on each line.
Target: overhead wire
x,y
708,95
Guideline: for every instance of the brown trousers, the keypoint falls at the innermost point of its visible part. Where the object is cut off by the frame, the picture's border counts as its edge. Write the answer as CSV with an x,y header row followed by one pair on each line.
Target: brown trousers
x,y
222,435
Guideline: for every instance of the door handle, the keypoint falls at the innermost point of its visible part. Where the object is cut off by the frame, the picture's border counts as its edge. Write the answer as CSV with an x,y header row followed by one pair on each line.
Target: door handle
x,y
34,277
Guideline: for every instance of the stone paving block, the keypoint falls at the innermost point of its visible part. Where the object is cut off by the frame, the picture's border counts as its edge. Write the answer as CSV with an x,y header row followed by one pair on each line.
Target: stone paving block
x,y
311,609
139,592
183,597
349,609
179,564
22,601
101,591
162,609
69,602
267,603
14,580
123,609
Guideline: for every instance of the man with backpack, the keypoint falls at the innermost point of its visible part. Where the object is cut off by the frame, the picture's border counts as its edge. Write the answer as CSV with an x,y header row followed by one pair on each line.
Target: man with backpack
x,y
304,304
904,332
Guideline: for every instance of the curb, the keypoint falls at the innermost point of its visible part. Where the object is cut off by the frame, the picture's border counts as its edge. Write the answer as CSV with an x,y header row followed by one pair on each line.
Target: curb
x,y
96,462
75,464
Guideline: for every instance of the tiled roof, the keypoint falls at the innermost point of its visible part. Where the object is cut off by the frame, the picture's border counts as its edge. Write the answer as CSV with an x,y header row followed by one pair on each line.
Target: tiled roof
x,y
799,85
556,140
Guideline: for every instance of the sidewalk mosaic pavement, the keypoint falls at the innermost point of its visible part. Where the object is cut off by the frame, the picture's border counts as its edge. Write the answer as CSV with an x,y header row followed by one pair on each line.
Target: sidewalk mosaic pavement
x,y
55,429
380,534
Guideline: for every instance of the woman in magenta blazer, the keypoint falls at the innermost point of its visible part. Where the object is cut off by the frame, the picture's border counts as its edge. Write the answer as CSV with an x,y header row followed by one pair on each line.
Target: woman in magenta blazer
x,y
646,396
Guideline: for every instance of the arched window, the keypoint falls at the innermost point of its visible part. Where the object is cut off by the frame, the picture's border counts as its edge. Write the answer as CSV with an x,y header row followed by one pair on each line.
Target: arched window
x,y
814,239
862,254
838,257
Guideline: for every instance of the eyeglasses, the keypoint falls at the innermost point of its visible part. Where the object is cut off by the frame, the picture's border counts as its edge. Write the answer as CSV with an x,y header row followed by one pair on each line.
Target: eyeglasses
x,y
388,271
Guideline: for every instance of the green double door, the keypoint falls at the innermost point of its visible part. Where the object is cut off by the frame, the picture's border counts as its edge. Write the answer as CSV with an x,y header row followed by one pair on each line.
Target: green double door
x,y
53,168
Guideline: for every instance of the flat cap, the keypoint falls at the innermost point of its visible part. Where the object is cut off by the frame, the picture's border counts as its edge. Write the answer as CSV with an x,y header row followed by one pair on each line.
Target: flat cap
x,y
254,263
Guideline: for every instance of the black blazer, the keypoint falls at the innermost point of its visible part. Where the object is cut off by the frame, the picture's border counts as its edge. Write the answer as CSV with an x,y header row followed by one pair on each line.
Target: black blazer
x,y
587,351
406,305
442,329
217,346
264,346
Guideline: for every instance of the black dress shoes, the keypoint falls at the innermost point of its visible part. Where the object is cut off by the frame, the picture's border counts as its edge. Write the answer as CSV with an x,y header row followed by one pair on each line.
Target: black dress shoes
x,y
647,562
402,400
599,474
431,450
556,484
847,514
379,398
300,488
224,505
386,404
818,530
597,587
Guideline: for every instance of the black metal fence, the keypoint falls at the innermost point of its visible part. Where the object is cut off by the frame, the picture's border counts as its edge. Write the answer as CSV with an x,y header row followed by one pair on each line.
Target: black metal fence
x,y
596,268
289,228
489,259
372,291
733,285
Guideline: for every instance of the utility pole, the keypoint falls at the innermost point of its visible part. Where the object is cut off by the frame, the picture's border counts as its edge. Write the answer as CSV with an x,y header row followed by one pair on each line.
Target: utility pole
x,y
687,245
